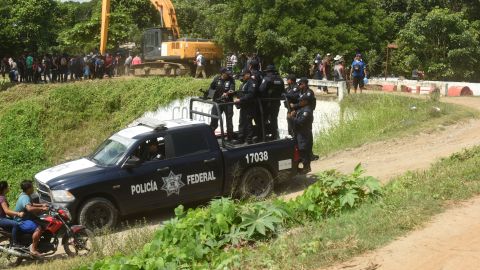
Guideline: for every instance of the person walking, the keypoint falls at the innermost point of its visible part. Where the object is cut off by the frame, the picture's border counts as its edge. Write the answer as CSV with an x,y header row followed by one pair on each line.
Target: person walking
x,y
223,87
13,74
200,62
358,73
29,67
339,72
326,70
136,60
128,62
4,68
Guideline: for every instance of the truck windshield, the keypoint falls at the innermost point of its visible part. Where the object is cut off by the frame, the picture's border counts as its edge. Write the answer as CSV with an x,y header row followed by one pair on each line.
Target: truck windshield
x,y
111,151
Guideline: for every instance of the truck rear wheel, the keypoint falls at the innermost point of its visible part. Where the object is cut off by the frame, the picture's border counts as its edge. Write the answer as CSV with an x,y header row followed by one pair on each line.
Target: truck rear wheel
x,y
257,183
98,213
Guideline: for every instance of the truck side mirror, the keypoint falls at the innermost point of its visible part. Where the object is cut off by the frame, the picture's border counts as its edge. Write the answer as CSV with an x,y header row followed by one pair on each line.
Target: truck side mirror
x,y
131,163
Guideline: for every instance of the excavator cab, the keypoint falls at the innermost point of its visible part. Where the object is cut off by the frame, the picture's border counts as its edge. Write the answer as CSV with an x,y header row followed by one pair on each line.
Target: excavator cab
x,y
152,43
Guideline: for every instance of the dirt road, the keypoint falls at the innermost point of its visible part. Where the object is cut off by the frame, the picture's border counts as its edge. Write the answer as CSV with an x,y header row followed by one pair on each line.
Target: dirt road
x,y
452,239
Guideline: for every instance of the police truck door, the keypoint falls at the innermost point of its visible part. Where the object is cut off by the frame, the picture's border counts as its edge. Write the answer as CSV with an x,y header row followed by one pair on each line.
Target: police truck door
x,y
198,164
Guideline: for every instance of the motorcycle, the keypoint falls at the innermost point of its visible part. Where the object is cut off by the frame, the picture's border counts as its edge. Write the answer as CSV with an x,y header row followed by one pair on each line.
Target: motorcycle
x,y
75,239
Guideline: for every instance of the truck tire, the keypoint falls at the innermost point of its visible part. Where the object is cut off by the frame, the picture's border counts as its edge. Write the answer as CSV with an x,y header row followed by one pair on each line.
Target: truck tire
x,y
98,213
257,182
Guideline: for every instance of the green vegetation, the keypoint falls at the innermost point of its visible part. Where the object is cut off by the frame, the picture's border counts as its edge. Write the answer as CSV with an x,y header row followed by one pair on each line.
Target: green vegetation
x,y
408,201
287,33
41,125
210,237
374,117
443,43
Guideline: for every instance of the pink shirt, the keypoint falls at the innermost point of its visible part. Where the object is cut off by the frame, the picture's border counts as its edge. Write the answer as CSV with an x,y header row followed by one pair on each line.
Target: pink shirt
x,y
136,61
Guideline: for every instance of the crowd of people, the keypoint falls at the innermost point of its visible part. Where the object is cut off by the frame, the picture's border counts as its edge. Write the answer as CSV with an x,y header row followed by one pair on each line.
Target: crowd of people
x,y
259,99
260,94
356,73
58,68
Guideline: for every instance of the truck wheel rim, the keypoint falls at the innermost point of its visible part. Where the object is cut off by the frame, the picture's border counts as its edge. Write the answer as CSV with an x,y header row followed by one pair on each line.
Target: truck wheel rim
x,y
258,185
98,216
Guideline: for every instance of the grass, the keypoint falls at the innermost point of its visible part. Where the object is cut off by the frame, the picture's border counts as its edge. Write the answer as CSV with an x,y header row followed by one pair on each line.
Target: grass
x,y
409,201
45,124
42,125
373,117
107,244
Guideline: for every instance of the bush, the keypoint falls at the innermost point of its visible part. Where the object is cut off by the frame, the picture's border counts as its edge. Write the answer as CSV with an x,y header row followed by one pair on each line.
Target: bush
x,y
209,237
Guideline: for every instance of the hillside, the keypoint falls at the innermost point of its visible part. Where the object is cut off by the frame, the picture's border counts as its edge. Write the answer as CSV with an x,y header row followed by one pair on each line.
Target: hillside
x,y
44,124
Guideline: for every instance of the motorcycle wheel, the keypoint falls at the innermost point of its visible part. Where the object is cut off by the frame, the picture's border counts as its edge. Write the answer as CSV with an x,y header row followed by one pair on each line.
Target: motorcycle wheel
x,y
13,261
78,244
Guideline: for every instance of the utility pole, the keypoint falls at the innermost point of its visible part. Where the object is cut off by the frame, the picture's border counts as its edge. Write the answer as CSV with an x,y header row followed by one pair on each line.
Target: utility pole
x,y
392,46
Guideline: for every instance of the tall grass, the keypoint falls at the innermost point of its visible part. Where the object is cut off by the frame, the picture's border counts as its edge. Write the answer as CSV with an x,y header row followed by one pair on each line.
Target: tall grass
x,y
41,125
408,202
372,117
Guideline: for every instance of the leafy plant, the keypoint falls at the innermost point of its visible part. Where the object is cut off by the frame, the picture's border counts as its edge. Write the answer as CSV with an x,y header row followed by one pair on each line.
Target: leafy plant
x,y
334,192
208,238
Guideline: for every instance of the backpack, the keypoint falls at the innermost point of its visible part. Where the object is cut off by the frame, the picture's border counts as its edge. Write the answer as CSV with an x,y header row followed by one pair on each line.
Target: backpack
x,y
203,62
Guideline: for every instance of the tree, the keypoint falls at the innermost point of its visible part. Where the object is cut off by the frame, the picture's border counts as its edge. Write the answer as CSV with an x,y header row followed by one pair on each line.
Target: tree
x,y
27,25
128,19
443,43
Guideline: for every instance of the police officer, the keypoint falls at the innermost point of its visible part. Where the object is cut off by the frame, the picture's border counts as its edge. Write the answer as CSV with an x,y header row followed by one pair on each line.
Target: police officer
x,y
305,90
292,96
303,119
257,77
223,87
271,90
312,101
247,104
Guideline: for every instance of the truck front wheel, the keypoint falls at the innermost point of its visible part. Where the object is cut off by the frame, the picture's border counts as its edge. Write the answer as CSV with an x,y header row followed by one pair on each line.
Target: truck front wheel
x,y
98,213
257,183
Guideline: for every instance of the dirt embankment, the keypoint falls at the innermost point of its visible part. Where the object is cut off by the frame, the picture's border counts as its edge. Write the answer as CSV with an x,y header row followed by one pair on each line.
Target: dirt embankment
x,y
452,239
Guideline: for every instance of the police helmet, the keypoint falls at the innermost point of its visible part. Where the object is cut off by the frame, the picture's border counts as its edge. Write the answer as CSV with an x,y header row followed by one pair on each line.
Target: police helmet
x,y
303,80
270,68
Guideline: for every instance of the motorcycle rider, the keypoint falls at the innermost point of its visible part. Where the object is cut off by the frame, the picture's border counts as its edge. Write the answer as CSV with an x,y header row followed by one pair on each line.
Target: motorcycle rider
x,y
6,212
31,210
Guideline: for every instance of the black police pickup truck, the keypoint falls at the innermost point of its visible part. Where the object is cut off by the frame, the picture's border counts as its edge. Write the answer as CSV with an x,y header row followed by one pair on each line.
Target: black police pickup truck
x,y
161,165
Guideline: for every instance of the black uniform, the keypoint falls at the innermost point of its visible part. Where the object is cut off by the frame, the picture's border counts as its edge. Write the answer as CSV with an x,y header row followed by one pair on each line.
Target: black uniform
x,y
310,95
257,78
221,86
272,87
247,110
292,96
303,130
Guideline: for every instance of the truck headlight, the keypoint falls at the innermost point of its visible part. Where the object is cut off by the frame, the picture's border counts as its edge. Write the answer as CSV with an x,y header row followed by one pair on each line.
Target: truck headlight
x,y
62,196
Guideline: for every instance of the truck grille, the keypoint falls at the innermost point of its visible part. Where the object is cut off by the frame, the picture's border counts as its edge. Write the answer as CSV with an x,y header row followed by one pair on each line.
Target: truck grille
x,y
43,191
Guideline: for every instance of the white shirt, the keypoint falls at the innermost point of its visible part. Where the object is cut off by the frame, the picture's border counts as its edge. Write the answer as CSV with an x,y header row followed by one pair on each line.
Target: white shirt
x,y
199,60
234,59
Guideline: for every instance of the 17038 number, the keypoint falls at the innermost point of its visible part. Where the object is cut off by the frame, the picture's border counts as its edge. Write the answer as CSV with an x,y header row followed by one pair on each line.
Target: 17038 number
x,y
256,157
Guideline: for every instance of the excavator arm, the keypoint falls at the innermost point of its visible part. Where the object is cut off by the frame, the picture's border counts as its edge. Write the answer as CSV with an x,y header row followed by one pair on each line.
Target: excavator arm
x,y
164,7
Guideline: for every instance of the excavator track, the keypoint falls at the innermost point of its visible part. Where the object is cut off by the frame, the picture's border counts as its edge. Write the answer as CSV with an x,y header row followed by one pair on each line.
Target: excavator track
x,y
160,68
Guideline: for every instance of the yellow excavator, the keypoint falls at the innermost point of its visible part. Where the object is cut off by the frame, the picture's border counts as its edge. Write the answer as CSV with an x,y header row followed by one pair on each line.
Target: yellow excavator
x,y
164,52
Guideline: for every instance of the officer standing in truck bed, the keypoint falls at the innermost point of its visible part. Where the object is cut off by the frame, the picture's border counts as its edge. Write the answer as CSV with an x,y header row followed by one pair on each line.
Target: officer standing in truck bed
x,y
223,88
302,120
